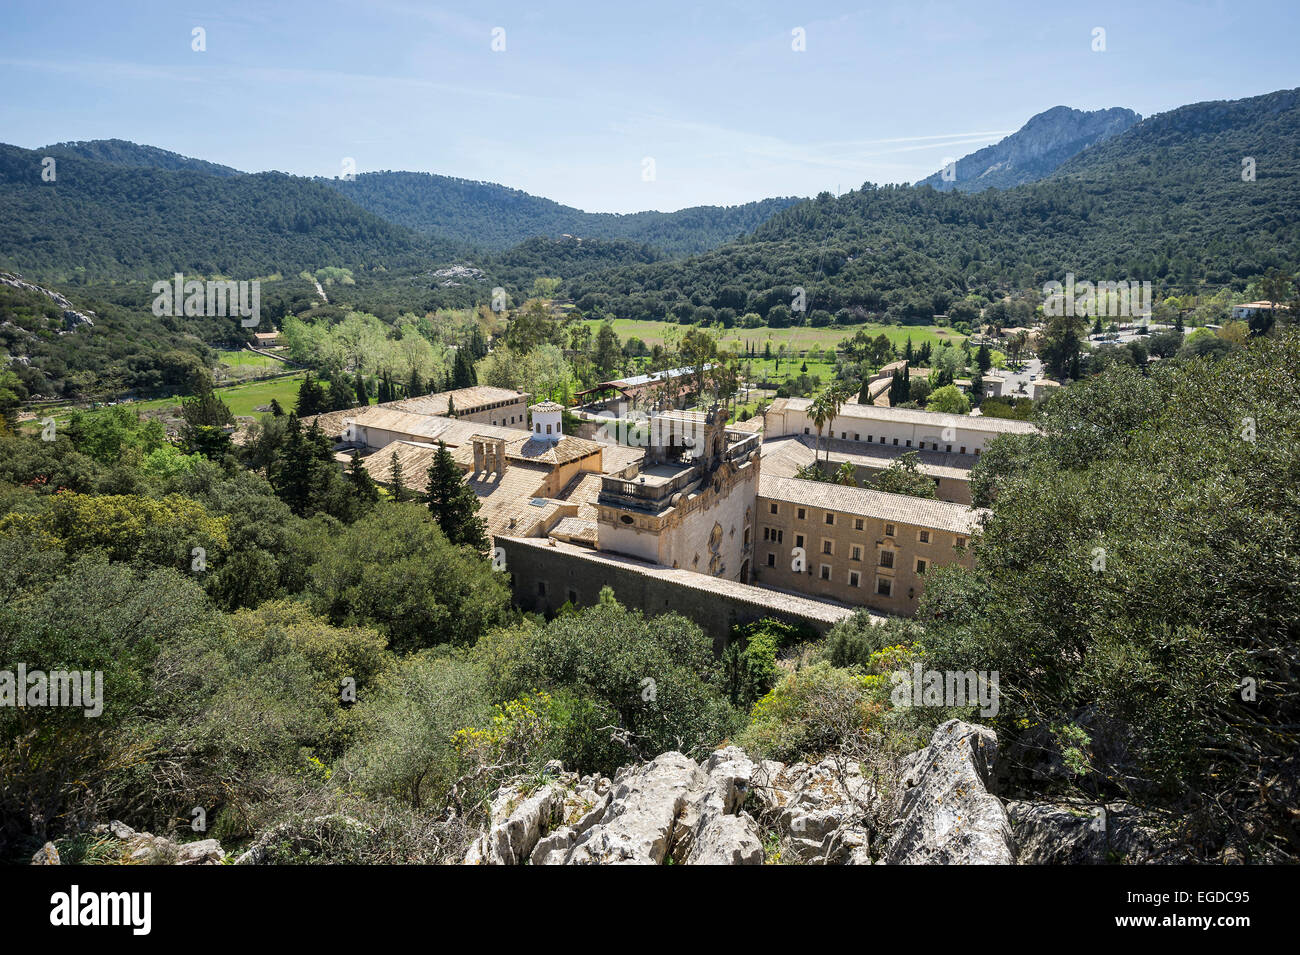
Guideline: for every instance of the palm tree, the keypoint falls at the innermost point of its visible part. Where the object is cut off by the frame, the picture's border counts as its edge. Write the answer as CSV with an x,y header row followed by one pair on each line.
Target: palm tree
x,y
820,413
846,474
835,397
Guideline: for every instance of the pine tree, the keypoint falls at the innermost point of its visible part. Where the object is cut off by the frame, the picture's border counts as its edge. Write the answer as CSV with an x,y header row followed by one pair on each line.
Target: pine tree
x,y
415,385
276,410
453,502
311,398
361,485
359,386
341,394
983,360
395,477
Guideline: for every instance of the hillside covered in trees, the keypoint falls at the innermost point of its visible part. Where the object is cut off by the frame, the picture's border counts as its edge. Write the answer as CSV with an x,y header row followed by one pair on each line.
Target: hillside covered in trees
x,y
103,220
490,216
1170,201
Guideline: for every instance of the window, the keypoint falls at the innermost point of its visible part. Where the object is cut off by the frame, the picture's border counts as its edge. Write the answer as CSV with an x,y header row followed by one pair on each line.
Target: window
x,y
963,449
855,579
537,428
827,547
798,540
771,560
884,586
870,438
830,518
843,435
826,571
961,542
887,558
856,554
889,530
949,448
977,452
772,508
856,436
802,514
857,524
767,532
780,536
896,442
548,429
805,430
573,596
746,536
920,566
883,439
541,588
925,537
909,442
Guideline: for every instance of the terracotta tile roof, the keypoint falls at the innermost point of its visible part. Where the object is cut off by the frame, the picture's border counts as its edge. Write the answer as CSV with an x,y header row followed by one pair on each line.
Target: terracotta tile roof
x,y
854,411
618,456
878,505
583,491
575,529
468,400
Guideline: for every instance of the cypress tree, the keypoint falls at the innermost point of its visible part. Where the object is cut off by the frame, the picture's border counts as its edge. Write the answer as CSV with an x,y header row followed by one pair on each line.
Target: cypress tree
x,y
453,503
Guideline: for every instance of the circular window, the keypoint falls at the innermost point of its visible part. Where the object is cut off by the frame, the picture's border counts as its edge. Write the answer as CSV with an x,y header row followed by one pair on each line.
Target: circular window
x,y
626,518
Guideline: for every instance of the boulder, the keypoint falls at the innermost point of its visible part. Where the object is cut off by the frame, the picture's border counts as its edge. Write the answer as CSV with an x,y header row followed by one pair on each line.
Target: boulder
x,y
946,815
1063,833
638,825
202,852
667,810
817,808
47,855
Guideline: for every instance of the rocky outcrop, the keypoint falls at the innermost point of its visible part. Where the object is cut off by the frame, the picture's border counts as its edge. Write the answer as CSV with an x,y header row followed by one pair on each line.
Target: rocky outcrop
x,y
72,319
817,809
144,848
670,809
1036,149
947,815
1085,834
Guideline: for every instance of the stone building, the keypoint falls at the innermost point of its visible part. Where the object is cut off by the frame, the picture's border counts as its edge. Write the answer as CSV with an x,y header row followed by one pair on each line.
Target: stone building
x,y
857,545
689,503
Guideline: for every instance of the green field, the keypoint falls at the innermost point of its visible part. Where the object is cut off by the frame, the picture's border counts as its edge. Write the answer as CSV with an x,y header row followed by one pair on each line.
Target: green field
x,y
242,399
247,359
798,339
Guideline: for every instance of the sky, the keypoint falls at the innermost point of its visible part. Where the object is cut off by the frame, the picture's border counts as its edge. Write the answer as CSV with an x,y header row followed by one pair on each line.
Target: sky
x,y
615,106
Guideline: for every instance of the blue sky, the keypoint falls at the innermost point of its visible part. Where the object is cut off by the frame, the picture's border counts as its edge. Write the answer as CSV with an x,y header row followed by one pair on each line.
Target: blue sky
x,y
583,93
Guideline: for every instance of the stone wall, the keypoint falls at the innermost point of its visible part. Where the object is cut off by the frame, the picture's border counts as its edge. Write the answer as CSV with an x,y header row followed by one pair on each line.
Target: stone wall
x,y
545,575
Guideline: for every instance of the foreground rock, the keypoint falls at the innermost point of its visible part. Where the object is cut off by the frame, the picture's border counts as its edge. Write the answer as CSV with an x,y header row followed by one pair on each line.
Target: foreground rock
x,y
670,809
947,816
1084,834
143,848
817,809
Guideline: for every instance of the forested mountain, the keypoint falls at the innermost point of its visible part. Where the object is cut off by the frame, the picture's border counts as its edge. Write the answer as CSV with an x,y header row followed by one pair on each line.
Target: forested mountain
x,y
1035,150
1168,201
99,220
491,216
120,152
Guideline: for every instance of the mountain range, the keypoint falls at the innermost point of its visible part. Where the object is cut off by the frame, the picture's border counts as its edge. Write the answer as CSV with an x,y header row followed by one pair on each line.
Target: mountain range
x,y
1035,150
1163,197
